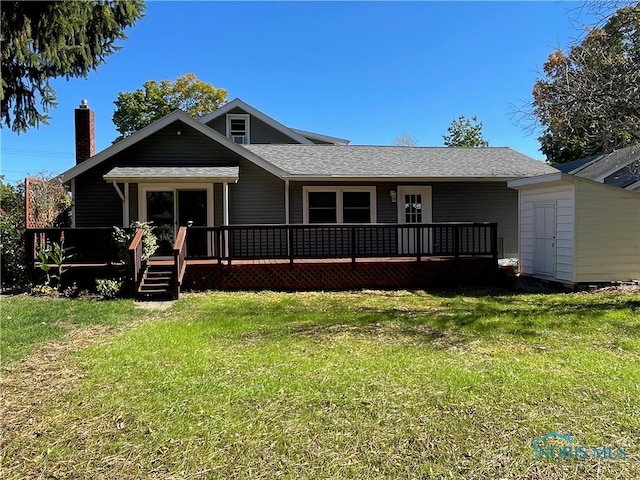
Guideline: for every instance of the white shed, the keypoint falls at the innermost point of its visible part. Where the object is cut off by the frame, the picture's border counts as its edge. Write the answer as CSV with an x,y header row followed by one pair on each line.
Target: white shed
x,y
573,230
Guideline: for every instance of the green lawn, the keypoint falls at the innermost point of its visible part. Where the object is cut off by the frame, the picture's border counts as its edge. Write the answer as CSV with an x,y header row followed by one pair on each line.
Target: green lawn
x,y
341,385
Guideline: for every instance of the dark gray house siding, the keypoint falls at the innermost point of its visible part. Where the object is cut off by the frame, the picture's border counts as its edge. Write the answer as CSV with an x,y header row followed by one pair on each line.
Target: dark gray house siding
x,y
258,197
96,202
479,202
451,202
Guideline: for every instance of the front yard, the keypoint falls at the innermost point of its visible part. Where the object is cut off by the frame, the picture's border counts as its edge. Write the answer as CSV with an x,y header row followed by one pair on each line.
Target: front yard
x,y
370,384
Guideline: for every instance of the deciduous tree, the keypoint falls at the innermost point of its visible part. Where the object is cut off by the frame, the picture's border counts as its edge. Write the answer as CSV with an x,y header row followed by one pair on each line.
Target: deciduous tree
x,y
137,109
47,40
588,101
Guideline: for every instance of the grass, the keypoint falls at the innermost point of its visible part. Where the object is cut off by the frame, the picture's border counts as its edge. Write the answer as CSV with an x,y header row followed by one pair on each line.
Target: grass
x,y
27,321
347,385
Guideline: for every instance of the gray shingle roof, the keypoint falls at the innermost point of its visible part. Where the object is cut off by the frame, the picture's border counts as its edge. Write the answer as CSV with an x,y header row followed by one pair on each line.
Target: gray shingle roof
x,y
400,162
172,173
619,167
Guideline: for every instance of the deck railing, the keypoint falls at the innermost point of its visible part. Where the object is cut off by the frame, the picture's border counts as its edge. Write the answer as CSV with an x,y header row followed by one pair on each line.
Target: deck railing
x,y
135,254
85,245
179,259
354,241
262,242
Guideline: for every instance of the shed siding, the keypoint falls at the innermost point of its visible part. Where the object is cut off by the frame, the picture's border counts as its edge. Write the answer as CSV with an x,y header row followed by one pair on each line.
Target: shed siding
x,y
563,197
607,233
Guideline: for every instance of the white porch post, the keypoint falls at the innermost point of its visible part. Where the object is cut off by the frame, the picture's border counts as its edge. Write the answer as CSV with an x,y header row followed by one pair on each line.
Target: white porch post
x,y
286,202
125,207
225,215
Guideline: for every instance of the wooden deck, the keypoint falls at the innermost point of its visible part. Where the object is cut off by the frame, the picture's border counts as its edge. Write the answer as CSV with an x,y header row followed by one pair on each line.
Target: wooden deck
x,y
338,274
291,257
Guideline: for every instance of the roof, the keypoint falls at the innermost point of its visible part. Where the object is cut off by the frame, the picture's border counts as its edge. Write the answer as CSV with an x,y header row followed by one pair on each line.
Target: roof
x,y
620,168
237,103
560,179
168,174
321,137
370,162
175,116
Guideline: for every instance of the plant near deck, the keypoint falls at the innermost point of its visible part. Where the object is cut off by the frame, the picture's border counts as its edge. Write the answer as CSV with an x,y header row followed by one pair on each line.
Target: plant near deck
x,y
58,255
123,238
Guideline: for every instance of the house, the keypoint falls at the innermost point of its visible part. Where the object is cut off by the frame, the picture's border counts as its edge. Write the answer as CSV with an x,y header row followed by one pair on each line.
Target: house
x,y
574,230
620,168
238,166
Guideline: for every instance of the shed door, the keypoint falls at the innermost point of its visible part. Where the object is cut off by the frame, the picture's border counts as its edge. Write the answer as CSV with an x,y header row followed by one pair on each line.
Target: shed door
x,y
544,239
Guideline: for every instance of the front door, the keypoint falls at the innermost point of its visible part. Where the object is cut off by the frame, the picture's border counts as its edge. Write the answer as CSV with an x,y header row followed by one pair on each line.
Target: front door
x,y
414,207
170,208
192,212
544,233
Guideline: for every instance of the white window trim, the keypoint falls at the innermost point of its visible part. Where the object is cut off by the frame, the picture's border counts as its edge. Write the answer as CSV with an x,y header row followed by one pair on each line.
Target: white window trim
x,y
339,204
247,125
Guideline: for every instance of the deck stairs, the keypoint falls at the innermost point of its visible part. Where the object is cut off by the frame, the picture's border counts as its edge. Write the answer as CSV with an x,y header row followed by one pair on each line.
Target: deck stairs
x,y
158,280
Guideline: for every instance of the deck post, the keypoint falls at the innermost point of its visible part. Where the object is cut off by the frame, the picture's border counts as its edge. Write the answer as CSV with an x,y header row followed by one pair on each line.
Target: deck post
x,y
290,247
352,231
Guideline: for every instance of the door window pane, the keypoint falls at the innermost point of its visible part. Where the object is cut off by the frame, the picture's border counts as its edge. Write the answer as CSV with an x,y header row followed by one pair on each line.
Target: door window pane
x,y
413,208
322,207
356,207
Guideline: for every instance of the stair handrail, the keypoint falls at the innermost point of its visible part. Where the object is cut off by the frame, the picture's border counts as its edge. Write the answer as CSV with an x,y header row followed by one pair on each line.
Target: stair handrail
x,y
179,256
135,253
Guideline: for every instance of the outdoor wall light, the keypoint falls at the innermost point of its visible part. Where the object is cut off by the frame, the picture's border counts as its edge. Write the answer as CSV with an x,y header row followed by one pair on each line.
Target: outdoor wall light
x,y
393,195
179,132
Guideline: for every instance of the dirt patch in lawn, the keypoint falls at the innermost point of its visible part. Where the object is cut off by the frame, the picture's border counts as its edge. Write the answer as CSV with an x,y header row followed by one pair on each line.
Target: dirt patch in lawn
x,y
29,386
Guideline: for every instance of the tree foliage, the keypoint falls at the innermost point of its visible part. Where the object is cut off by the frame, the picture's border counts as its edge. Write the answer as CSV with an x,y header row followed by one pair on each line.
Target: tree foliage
x,y
405,140
588,101
13,269
137,109
47,40
465,133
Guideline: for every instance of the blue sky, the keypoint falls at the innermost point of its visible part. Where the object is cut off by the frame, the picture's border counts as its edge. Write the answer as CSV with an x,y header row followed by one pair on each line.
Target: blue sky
x,y
365,71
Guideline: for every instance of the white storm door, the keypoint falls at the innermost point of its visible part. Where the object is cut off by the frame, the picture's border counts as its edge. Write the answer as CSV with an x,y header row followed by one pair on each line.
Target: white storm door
x,y
544,239
414,207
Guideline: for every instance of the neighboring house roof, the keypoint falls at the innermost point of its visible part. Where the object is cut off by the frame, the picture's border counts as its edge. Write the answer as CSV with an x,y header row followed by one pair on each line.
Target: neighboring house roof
x,y
237,103
374,162
620,168
176,115
577,165
193,174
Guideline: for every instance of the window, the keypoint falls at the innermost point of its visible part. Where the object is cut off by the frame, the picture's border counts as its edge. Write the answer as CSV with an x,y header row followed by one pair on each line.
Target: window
x,y
339,204
323,207
238,128
413,208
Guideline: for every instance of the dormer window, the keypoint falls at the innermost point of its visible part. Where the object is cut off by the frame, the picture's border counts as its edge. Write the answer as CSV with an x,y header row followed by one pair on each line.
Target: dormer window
x,y
238,128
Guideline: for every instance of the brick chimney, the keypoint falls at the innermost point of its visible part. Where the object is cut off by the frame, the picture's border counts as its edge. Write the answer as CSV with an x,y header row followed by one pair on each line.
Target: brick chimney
x,y
85,132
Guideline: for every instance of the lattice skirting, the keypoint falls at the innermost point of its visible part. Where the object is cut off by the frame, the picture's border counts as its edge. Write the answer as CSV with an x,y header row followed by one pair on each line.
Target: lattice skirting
x,y
338,276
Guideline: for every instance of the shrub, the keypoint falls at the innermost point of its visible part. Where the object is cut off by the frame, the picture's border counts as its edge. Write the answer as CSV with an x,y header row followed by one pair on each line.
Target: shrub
x,y
108,288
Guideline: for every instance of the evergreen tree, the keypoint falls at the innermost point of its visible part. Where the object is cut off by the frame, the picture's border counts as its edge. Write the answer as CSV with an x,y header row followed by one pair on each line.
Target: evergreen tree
x,y
47,40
